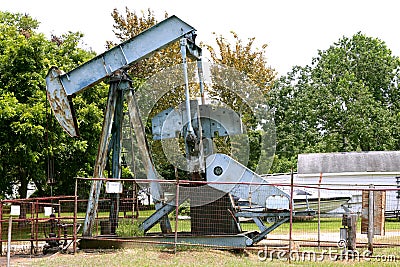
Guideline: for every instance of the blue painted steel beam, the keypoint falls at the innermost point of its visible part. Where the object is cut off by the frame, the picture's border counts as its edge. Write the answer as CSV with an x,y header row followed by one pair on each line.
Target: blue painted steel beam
x,y
158,215
100,163
218,241
116,132
268,230
62,86
125,54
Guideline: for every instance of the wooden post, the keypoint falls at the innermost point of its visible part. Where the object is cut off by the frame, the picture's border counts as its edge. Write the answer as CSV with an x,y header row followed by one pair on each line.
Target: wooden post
x,y
351,232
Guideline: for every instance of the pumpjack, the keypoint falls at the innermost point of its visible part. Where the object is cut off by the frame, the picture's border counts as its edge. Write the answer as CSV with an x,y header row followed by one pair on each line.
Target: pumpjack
x,y
195,122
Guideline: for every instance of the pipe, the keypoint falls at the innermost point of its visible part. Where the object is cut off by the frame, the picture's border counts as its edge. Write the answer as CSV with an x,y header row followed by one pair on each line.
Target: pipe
x,y
186,80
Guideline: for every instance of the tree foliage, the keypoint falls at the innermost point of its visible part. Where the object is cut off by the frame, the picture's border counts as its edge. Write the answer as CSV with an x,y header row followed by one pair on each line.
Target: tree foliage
x,y
347,100
131,24
252,78
244,58
29,137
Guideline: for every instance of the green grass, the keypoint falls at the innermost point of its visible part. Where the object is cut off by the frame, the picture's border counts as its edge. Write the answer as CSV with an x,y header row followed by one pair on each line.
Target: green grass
x,y
191,256
127,228
301,229
149,256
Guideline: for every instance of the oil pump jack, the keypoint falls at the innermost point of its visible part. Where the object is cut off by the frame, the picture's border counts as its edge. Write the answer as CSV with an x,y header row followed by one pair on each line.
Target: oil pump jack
x,y
196,122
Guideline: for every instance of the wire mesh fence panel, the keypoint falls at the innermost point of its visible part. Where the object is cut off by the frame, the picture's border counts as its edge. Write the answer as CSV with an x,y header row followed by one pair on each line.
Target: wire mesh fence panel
x,y
197,213
198,209
37,225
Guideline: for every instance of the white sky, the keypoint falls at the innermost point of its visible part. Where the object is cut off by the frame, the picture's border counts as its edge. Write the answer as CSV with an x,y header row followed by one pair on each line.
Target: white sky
x,y
293,29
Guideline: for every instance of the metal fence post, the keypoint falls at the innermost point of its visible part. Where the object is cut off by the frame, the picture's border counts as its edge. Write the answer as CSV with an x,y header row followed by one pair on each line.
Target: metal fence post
x,y
75,214
319,211
291,214
9,240
33,225
371,218
1,228
176,214
36,226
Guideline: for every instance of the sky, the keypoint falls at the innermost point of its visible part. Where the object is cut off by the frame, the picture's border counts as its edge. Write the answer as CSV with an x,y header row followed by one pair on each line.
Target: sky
x,y
294,30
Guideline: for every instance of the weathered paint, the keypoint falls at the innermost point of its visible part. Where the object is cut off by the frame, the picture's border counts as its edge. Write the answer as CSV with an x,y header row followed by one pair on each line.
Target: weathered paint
x,y
234,178
60,102
116,148
349,162
100,164
125,54
151,173
227,241
62,86
215,121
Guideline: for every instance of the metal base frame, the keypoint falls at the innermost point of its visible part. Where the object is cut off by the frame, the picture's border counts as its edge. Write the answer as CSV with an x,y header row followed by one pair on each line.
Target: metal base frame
x,y
218,241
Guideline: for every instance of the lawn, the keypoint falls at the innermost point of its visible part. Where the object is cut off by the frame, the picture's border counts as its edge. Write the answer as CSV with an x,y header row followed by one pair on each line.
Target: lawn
x,y
192,256
187,257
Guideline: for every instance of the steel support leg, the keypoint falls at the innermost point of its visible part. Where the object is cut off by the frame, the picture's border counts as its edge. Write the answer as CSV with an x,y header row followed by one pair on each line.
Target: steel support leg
x,y
268,230
155,188
160,213
100,164
116,151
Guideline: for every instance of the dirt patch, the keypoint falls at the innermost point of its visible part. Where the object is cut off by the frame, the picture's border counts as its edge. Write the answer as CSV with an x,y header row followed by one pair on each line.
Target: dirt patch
x,y
21,260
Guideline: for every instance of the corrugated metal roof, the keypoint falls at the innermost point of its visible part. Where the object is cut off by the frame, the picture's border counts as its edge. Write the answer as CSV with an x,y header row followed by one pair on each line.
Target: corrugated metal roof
x,y
373,161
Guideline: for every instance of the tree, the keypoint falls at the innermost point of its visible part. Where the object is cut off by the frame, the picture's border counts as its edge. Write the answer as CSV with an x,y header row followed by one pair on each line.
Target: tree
x,y
252,78
29,137
347,100
245,59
